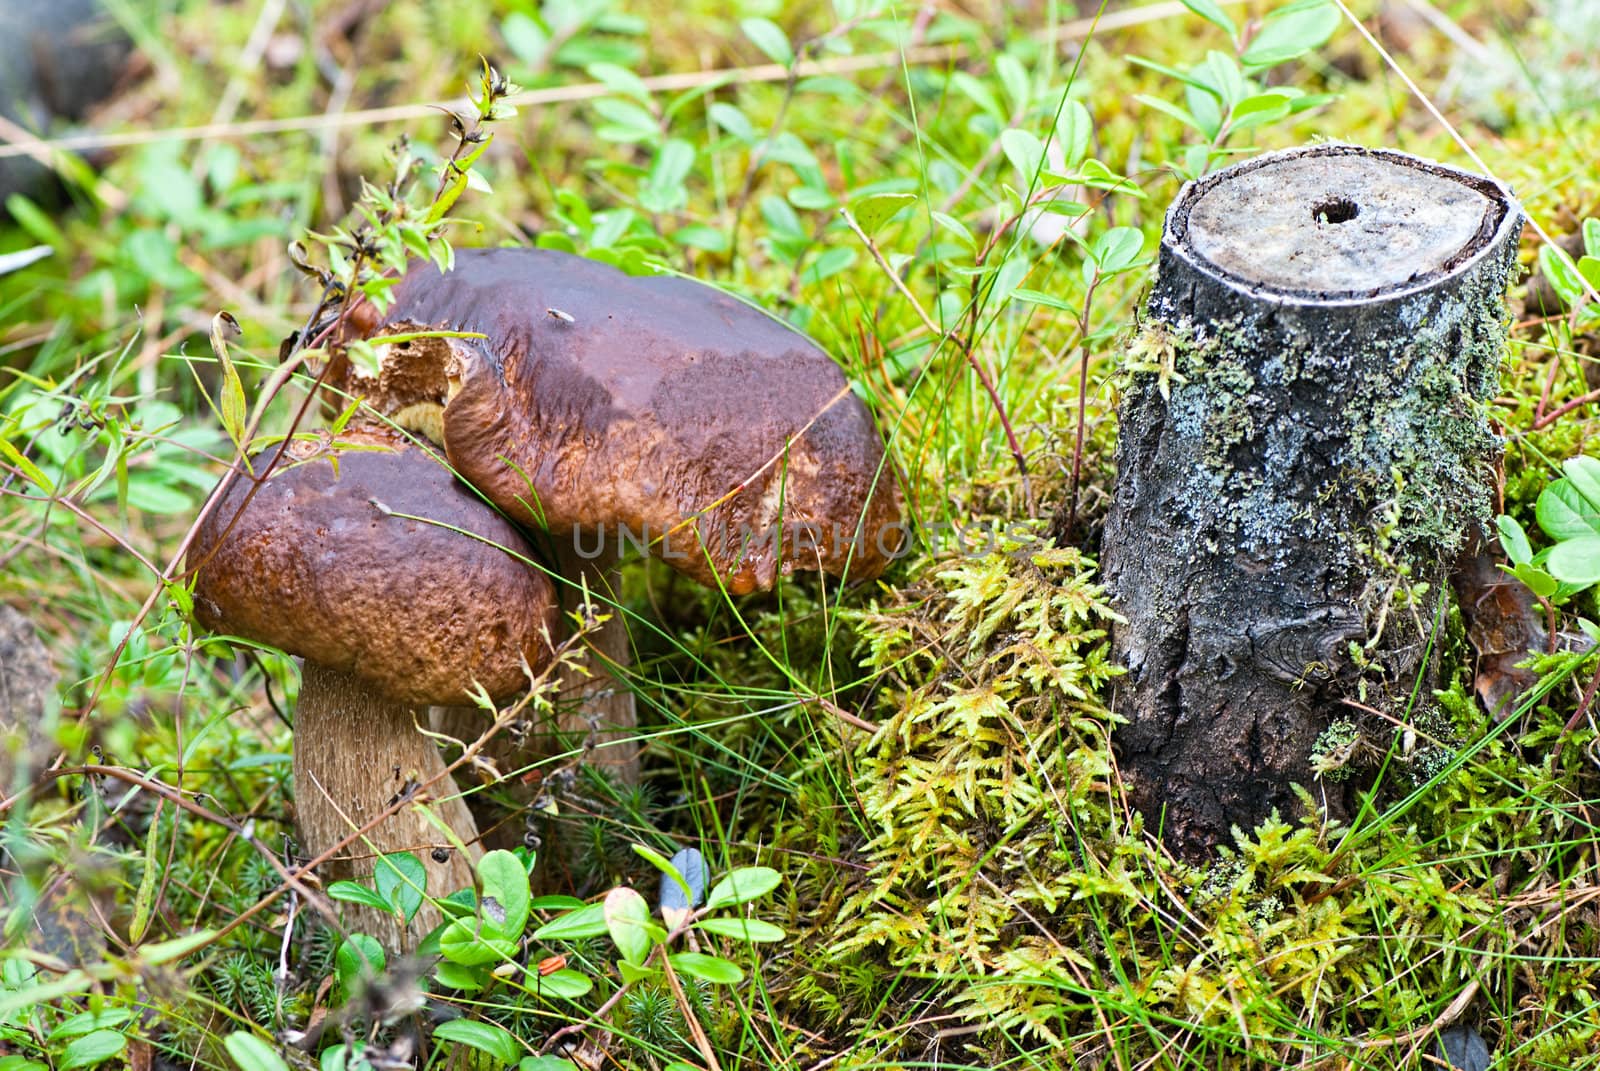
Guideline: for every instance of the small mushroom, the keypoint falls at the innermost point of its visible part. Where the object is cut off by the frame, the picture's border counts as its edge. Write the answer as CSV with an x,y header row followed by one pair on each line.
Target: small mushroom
x,y
654,411
399,588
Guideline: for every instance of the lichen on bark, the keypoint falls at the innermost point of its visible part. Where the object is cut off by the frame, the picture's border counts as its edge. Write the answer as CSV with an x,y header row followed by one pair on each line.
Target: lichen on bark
x,y
1294,474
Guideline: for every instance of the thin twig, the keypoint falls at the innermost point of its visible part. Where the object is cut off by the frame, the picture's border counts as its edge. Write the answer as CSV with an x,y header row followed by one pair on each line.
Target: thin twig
x,y
696,1031
1556,414
24,144
291,879
1451,1013
1579,714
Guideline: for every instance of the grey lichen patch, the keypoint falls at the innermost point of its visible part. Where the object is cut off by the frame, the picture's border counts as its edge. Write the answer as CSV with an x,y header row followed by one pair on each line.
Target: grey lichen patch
x,y
1336,748
1402,419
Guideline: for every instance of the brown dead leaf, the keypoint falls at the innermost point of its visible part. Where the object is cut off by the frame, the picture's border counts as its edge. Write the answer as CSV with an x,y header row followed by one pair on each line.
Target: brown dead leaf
x,y
1503,623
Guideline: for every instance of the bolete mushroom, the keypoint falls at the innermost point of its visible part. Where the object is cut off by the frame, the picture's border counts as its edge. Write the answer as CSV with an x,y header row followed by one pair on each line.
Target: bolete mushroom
x,y
399,588
608,409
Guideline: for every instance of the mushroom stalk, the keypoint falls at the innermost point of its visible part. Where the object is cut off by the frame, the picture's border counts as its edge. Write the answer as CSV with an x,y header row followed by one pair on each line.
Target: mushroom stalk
x,y
602,699
356,752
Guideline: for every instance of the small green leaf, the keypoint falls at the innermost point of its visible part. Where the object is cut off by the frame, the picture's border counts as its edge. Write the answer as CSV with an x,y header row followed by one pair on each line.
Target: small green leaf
x,y
1259,109
1168,108
34,995
457,976
1584,473
337,1057
497,1041
36,221
873,212
401,880
91,1049
1564,513
231,406
1208,10
1591,237
664,190
1514,540
358,956
1015,81
743,885
1039,297
955,227
34,474
253,1054
1589,268
1025,151
632,973
566,984
18,1062
1117,249
830,263
625,122
732,120
144,898
1074,129
770,39
586,921
627,917
620,80
1575,561
1292,31
177,947
712,969
85,1022
1562,272
1220,76
546,1063
742,929
505,882
1537,580
462,943
351,893
669,874
978,93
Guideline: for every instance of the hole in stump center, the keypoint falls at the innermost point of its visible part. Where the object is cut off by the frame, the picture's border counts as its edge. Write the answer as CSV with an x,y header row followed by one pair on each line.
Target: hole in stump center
x,y
1335,210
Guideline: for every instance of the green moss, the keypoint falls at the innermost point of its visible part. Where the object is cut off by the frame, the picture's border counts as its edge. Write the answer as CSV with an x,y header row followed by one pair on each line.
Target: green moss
x,y
995,875
992,749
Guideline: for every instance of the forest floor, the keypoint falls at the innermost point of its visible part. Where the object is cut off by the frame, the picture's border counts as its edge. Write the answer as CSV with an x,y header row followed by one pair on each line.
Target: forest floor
x,y
961,204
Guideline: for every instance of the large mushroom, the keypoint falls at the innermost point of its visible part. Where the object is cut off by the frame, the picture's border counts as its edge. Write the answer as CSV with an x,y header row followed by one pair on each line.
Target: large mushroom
x,y
608,409
399,588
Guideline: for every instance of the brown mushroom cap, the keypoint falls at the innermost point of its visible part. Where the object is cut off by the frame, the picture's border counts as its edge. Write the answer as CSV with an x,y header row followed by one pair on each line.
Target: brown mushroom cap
x,y
416,610
729,443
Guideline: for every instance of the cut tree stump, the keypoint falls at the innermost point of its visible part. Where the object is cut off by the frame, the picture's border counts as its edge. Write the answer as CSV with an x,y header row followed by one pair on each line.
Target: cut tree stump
x,y
1303,446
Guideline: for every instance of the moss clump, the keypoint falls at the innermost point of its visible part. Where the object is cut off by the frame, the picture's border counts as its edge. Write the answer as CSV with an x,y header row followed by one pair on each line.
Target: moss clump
x,y
994,748
981,869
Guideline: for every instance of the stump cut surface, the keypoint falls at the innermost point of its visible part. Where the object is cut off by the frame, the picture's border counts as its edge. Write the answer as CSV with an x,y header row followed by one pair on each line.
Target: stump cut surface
x,y
1328,222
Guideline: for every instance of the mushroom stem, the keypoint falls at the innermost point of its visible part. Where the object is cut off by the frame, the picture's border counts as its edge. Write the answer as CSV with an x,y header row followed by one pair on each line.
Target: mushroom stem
x,y
601,699
355,752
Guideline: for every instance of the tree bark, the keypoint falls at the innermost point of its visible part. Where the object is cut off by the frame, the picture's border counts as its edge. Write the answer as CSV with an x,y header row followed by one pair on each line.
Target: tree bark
x,y
355,752
1302,447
